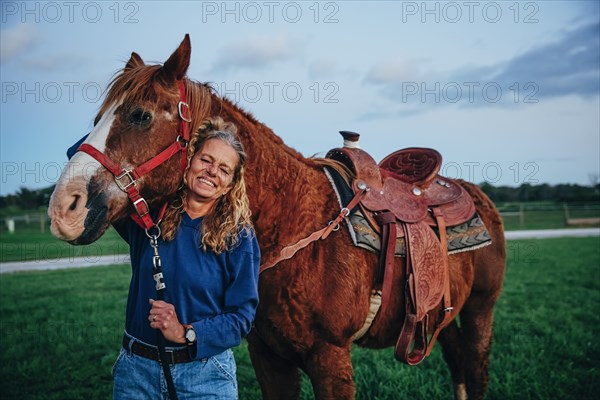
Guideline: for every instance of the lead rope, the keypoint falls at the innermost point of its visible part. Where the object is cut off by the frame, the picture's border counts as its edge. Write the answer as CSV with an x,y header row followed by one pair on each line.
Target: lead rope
x,y
160,295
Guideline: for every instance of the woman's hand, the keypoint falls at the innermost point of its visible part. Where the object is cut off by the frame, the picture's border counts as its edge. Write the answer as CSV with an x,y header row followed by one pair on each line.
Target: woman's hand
x,y
163,316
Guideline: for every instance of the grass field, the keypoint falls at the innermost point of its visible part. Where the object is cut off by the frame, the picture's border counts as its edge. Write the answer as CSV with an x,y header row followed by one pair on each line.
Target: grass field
x,y
60,333
30,244
520,216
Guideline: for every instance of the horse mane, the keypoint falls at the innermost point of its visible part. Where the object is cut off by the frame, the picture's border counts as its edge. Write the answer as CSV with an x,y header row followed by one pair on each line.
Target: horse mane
x,y
143,83
272,140
345,173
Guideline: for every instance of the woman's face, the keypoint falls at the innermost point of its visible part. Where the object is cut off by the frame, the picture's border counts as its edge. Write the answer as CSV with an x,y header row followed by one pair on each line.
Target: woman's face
x,y
211,171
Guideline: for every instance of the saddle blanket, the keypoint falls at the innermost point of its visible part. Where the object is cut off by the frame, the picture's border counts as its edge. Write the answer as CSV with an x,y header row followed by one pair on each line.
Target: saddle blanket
x,y
464,237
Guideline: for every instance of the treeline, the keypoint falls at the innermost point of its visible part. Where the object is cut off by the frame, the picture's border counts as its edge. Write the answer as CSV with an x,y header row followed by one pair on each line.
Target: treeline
x,y
27,199
563,193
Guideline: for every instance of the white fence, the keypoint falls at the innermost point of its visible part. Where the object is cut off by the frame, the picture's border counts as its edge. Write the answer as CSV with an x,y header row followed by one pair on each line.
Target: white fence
x,y
25,221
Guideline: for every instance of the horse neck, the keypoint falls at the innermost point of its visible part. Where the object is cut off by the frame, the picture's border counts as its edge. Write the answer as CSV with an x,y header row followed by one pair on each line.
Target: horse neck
x,y
283,186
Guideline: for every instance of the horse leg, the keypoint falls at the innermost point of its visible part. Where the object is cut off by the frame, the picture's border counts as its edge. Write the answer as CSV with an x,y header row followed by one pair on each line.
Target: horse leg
x,y
278,378
450,339
476,319
330,371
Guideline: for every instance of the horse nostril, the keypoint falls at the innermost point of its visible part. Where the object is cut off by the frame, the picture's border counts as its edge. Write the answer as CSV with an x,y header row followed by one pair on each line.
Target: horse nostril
x,y
73,205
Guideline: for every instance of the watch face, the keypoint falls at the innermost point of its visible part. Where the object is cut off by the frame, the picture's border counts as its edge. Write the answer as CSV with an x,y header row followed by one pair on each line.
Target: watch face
x,y
190,335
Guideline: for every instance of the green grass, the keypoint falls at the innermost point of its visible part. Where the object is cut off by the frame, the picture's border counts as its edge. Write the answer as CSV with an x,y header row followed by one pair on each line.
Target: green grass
x,y
543,220
544,215
28,243
60,333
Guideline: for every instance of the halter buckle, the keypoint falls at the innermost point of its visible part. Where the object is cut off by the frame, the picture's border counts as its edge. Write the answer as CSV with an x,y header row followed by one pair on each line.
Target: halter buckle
x,y
144,209
180,107
124,187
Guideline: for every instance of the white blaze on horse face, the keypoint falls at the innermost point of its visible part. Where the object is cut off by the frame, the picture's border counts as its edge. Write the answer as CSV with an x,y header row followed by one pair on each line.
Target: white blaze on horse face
x,y
67,208
84,165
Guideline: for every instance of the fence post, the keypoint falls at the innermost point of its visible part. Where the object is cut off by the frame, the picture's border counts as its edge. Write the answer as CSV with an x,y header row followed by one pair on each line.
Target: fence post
x,y
10,225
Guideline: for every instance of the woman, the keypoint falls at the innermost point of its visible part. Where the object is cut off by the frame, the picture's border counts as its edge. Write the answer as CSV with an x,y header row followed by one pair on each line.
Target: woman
x,y
210,261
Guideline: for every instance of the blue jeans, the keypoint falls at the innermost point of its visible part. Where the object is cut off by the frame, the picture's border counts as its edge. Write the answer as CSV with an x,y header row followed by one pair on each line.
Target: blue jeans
x,y
137,378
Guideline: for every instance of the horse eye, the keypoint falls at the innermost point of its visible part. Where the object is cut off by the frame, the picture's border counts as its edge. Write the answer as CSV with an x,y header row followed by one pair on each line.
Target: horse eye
x,y
140,117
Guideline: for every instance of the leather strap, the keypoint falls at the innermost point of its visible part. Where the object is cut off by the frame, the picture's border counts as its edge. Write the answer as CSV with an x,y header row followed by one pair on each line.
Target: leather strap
x,y
101,158
138,220
387,221
160,158
142,350
407,338
289,251
447,311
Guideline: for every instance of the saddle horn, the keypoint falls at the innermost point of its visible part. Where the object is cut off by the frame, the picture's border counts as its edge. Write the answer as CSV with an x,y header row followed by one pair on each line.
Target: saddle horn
x,y
350,139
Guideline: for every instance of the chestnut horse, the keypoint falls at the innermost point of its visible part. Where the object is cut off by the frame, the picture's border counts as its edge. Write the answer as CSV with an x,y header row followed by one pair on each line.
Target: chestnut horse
x,y
311,304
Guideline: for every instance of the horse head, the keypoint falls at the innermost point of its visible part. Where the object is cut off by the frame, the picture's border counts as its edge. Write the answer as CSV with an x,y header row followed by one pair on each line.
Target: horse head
x,y
139,118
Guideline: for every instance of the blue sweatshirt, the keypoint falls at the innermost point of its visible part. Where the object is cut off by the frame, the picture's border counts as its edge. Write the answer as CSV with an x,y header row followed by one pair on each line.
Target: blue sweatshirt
x,y
216,294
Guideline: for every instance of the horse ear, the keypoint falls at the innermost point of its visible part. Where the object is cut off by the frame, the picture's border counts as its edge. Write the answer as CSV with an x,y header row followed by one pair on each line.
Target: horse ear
x,y
134,61
176,66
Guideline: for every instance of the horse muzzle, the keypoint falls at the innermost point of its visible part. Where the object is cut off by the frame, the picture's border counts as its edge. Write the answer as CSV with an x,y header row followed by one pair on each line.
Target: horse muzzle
x,y
78,214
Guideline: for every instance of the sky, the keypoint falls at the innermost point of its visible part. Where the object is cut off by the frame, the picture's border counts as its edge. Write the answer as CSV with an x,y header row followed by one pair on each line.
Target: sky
x,y
508,92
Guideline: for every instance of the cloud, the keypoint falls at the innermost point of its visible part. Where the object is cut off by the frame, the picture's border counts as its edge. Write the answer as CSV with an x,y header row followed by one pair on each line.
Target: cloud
x,y
392,72
67,61
256,52
321,68
567,66
16,40
330,68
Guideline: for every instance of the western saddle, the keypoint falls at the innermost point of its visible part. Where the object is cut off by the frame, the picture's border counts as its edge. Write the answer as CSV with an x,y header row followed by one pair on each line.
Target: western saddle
x,y
403,196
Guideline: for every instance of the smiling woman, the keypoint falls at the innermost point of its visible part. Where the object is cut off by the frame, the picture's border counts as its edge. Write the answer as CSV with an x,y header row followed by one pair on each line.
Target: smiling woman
x,y
214,178
210,174
212,257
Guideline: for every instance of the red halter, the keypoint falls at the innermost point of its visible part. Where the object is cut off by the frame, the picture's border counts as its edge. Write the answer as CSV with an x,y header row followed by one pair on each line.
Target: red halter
x,y
126,179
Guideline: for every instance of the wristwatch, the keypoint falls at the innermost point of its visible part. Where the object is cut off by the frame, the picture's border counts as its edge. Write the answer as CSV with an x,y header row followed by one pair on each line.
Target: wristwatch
x,y
189,334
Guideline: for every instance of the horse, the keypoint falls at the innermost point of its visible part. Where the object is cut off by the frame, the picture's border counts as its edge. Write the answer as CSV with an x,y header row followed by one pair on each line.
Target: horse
x,y
310,304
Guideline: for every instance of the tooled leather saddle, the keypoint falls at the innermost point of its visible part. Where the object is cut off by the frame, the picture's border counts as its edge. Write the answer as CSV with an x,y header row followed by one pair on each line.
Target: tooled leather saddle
x,y
405,197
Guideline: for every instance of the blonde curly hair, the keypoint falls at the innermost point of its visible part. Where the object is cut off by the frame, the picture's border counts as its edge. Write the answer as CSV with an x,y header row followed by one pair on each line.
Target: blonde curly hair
x,y
231,212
